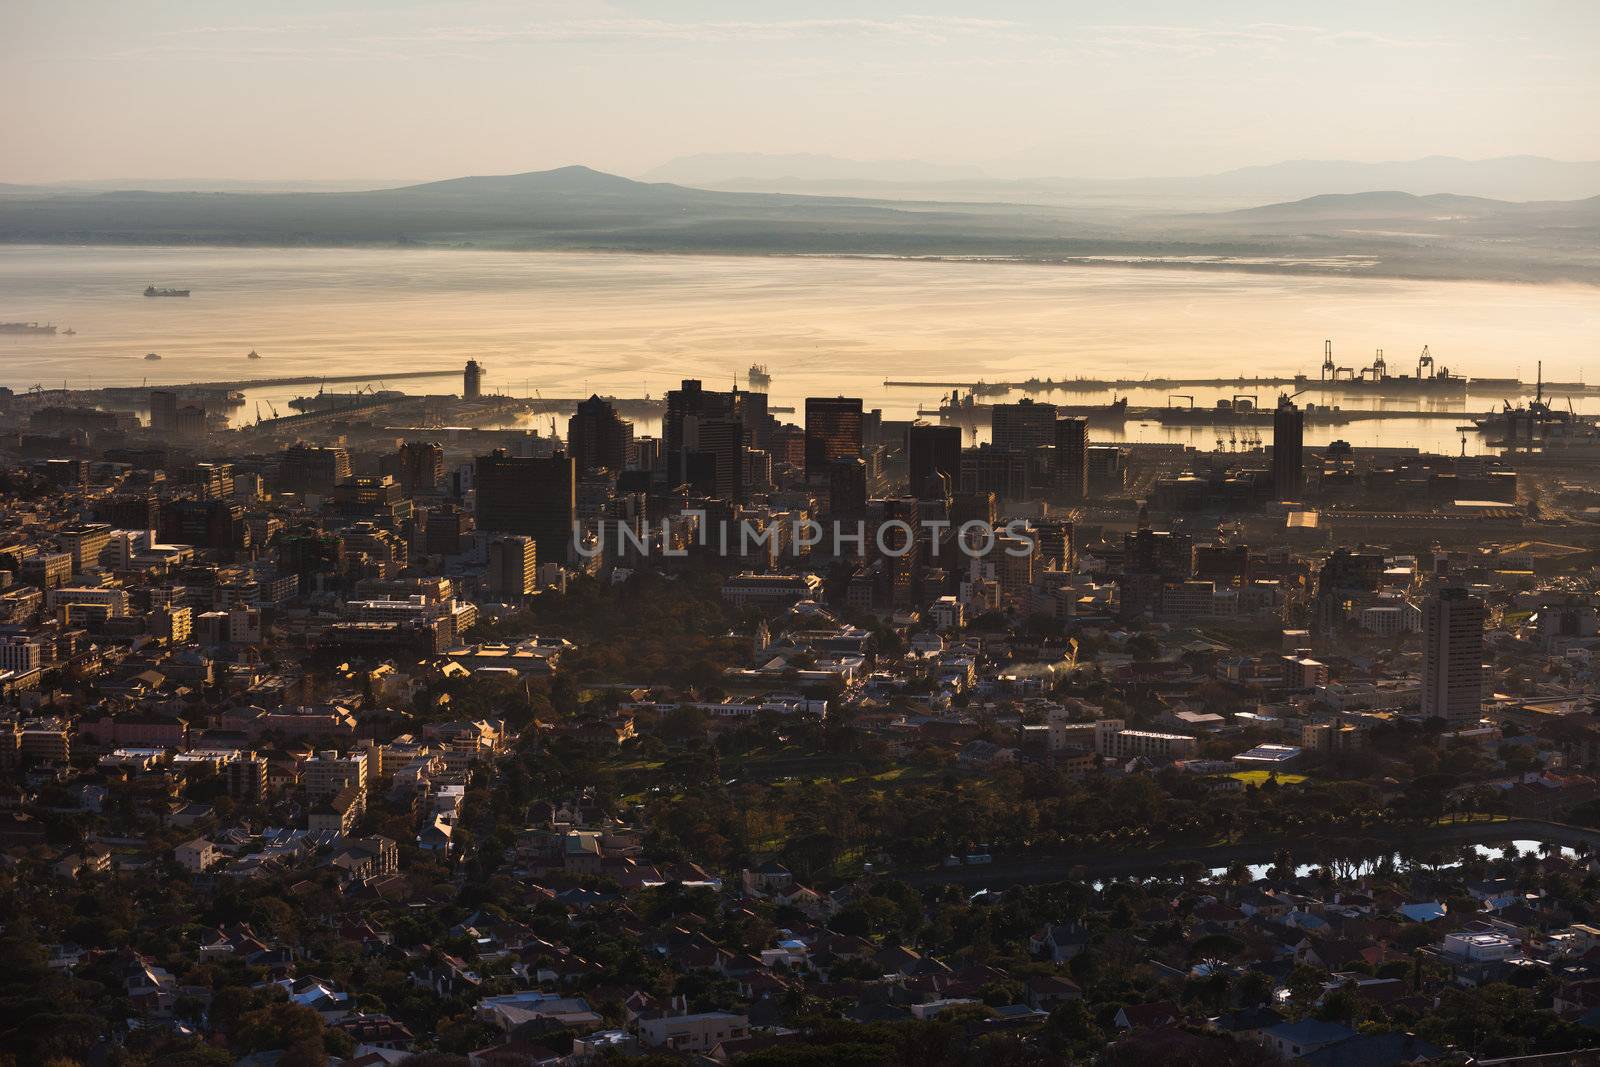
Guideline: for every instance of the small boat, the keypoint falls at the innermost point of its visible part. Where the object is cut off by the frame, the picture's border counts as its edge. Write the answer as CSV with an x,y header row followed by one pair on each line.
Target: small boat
x,y
69,332
253,355
151,356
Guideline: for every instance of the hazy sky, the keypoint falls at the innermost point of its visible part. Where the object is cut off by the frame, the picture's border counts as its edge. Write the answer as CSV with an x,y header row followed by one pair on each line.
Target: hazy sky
x,y
391,89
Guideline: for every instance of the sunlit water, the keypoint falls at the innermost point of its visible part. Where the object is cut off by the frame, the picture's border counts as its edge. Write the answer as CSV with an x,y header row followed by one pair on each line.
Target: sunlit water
x,y
568,324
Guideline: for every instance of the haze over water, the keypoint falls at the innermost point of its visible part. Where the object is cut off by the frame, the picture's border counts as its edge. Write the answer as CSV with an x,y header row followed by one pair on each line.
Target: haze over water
x,y
567,324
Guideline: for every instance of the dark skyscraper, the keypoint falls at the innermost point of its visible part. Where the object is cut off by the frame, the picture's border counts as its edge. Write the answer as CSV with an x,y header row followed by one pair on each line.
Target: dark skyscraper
x,y
715,448
847,487
1072,459
418,466
1452,656
1024,425
1288,446
833,431
934,456
533,496
598,437
687,406
472,381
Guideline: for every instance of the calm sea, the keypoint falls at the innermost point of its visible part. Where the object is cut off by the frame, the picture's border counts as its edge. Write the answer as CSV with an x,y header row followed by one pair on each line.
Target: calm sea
x,y
566,324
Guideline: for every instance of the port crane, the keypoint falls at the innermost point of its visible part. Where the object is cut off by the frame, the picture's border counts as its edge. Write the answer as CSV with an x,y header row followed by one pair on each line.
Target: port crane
x,y
1330,372
1379,369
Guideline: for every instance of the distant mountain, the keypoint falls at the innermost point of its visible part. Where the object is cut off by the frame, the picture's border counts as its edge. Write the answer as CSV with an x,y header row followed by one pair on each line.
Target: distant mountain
x,y
1376,205
574,180
1508,178
567,207
578,208
1505,178
1437,208
724,168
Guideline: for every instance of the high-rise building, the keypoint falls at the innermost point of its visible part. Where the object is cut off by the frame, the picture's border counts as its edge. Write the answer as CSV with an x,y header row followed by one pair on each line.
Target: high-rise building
x,y
715,455
163,411
598,437
444,530
534,495
847,488
1288,447
217,525
472,381
687,407
513,566
1023,426
933,454
1072,458
313,469
1452,656
418,466
833,431
1106,472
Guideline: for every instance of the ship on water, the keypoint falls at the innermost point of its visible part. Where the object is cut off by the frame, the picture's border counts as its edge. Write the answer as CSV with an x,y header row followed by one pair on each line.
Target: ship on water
x,y
1375,380
151,356
44,328
757,376
1538,424
327,400
959,407
253,354
151,290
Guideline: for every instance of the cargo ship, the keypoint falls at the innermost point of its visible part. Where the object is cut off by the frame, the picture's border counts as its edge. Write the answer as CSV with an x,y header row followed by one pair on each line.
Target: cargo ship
x,y
757,376
1375,380
151,290
966,408
328,401
28,327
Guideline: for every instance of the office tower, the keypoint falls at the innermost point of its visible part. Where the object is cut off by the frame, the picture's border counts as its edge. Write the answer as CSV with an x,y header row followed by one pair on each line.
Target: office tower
x,y
472,381
788,447
1452,656
1002,471
752,411
833,431
1023,426
312,556
1228,565
1057,545
217,525
646,453
132,512
715,454
534,496
847,488
933,454
1106,472
444,530
1072,459
1288,446
513,566
598,437
163,411
757,470
418,466
313,469
974,506
687,407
